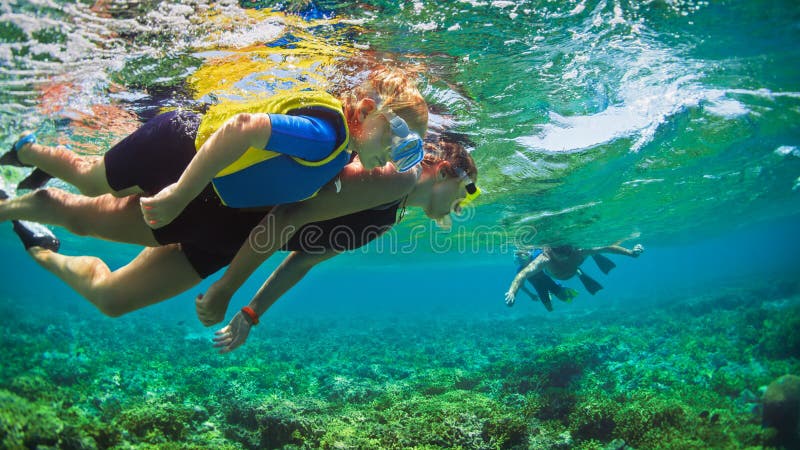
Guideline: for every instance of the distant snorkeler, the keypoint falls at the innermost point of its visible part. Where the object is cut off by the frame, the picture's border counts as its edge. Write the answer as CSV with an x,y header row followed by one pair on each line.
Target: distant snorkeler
x,y
562,262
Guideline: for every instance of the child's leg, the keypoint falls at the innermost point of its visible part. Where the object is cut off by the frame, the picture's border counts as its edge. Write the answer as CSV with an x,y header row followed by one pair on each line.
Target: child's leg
x,y
157,274
105,217
87,173
147,160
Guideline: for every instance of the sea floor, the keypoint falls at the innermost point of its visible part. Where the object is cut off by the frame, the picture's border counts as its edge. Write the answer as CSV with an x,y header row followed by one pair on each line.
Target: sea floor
x,y
684,373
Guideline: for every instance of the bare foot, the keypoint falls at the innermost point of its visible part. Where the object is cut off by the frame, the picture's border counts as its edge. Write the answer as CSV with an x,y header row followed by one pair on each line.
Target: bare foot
x,y
162,208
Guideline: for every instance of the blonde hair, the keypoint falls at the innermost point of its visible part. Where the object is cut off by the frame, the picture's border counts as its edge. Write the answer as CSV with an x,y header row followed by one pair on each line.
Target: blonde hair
x,y
393,88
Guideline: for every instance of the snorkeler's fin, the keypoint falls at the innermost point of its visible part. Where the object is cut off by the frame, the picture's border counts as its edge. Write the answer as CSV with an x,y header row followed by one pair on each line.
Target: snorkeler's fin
x,y
10,158
33,234
589,283
546,302
539,282
567,294
603,263
36,179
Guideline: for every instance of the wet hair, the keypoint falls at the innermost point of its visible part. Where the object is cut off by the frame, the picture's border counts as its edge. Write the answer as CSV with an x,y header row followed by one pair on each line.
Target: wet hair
x,y
394,88
561,250
454,153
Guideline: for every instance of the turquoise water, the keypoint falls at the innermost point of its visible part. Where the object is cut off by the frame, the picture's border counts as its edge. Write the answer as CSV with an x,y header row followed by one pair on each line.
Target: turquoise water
x,y
671,124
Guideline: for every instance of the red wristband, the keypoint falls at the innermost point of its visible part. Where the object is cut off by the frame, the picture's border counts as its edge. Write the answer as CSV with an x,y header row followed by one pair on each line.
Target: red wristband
x,y
248,311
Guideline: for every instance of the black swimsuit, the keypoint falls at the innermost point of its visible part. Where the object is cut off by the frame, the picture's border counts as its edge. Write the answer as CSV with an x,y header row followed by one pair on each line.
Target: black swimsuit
x,y
339,234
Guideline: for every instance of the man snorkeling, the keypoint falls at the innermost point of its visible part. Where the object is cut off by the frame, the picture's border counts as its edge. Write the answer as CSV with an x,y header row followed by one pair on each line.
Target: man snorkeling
x,y
561,262
541,282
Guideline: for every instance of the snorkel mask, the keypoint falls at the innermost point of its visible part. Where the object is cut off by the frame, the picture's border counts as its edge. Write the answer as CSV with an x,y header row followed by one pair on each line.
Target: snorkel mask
x,y
522,257
407,149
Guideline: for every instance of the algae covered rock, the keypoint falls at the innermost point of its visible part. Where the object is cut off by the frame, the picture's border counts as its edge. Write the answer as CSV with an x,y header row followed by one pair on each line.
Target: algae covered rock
x,y
782,411
157,422
26,425
270,425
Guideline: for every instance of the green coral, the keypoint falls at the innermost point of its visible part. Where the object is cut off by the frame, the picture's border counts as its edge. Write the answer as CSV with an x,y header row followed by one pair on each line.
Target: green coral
x,y
273,424
26,425
654,378
453,419
161,421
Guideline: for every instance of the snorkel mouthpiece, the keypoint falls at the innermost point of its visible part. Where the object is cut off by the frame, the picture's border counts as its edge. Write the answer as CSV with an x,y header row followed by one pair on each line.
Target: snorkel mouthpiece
x,y
473,191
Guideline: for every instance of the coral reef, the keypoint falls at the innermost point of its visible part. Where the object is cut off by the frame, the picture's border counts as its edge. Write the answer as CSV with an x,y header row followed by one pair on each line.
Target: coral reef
x,y
679,374
782,411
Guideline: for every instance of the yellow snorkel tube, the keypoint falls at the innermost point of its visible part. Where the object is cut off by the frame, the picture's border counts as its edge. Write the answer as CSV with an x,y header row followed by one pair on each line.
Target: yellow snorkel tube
x,y
473,191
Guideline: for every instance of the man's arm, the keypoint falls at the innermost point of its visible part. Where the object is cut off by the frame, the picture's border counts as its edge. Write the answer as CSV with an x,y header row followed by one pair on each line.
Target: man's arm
x,y
533,267
293,268
614,249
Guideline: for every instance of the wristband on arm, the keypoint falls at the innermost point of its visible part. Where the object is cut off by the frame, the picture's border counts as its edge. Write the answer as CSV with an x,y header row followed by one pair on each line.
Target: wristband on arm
x,y
248,311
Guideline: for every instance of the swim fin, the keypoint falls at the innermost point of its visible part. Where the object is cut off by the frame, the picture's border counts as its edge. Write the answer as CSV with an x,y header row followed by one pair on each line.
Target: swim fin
x,y
589,283
566,294
546,302
35,180
603,263
540,282
33,234
10,158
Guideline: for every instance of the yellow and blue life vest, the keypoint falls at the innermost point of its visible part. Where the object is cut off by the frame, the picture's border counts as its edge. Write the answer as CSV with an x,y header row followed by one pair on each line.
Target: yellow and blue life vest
x,y
264,177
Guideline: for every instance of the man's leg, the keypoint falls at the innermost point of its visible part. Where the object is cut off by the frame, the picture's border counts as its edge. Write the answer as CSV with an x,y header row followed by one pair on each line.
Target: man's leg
x,y
543,282
105,217
157,274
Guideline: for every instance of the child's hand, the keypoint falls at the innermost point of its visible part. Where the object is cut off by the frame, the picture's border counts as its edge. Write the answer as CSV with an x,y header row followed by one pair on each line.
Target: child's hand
x,y
162,208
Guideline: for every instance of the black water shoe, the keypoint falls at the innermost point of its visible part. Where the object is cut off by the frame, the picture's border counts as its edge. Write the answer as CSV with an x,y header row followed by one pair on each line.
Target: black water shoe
x,y
35,180
10,158
34,234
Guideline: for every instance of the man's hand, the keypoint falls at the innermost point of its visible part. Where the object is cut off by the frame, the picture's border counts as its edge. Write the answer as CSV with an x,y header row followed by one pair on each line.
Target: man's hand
x,y
637,250
511,297
233,335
